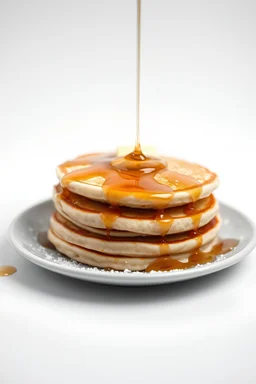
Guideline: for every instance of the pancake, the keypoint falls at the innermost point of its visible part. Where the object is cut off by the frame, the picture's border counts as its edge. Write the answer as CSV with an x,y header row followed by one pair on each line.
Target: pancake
x,y
145,246
102,232
88,213
98,259
104,177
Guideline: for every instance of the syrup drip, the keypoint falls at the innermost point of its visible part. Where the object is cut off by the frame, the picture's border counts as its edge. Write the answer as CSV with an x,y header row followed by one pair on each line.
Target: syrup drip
x,y
164,218
7,270
163,241
168,263
164,248
197,235
199,239
164,221
110,217
190,210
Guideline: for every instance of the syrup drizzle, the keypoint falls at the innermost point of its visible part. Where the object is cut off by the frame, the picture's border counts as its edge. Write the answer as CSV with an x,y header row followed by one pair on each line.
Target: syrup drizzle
x,y
137,145
164,218
191,211
121,177
163,241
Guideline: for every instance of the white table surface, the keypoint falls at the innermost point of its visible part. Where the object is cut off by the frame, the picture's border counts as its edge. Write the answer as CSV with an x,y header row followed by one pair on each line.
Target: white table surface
x,y
67,87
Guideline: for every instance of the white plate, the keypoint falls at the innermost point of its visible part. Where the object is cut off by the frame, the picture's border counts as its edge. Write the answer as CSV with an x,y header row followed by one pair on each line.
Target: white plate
x,y
25,228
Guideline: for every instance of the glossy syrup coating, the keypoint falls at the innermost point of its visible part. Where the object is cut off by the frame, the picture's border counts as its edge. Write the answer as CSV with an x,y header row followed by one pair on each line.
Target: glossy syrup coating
x,y
147,178
164,217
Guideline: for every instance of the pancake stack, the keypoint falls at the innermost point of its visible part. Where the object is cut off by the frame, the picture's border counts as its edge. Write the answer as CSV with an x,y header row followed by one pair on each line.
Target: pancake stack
x,y
113,213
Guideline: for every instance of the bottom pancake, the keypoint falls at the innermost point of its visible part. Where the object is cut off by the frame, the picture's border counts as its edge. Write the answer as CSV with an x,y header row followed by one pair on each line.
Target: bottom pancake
x,y
101,260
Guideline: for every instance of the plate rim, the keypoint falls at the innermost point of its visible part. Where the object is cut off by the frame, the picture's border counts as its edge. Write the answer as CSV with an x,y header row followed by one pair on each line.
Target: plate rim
x,y
120,277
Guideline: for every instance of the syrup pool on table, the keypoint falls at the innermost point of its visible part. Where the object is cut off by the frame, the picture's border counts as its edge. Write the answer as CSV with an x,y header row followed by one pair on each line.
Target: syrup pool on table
x,y
7,270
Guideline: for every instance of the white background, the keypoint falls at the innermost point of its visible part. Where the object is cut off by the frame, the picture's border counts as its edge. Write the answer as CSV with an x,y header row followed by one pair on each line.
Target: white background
x,y
67,86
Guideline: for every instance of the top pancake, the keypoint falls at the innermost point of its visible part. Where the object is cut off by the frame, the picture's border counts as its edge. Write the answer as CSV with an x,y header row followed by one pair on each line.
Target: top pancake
x,y
96,177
